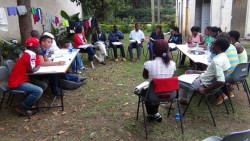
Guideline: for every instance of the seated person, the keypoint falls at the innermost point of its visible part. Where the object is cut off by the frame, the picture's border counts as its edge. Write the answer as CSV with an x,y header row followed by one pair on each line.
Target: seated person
x,y
18,80
211,79
156,35
160,67
77,63
208,39
175,37
138,36
241,51
98,40
80,39
214,31
196,38
232,55
53,45
116,36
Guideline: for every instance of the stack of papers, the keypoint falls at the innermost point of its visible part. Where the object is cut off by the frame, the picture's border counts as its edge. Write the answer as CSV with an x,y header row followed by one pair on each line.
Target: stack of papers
x,y
116,43
172,45
188,78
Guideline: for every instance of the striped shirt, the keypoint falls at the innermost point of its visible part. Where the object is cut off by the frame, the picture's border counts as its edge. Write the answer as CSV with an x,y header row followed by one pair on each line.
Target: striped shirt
x,y
233,58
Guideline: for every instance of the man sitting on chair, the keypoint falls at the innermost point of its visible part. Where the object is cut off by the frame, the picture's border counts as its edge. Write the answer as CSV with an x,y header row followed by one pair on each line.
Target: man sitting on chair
x,y
214,77
136,37
114,38
98,40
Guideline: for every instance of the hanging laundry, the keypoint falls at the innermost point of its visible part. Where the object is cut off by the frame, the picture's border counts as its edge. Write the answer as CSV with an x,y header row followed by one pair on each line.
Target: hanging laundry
x,y
3,20
35,18
65,23
38,13
33,10
12,11
21,9
56,20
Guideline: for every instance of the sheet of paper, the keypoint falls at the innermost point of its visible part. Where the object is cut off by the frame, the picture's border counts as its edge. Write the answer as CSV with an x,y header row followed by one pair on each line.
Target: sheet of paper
x,y
188,78
85,46
172,45
116,43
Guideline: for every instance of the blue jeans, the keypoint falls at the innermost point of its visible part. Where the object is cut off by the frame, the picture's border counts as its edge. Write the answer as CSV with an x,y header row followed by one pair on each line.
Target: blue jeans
x,y
77,63
33,92
70,77
90,51
138,49
150,48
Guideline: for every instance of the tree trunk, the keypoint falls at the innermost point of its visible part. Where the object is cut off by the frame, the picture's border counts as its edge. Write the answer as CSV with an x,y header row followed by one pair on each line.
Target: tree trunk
x,y
153,11
158,12
25,22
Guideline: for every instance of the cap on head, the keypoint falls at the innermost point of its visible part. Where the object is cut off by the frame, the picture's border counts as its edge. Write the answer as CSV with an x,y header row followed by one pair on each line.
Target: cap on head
x,y
49,34
32,42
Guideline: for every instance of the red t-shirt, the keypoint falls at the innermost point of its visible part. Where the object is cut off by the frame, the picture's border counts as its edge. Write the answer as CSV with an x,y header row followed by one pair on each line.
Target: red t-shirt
x,y
78,41
25,63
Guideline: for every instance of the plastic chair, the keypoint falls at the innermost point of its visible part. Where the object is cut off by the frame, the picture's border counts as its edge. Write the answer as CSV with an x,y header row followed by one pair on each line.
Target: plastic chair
x,y
239,75
169,94
4,76
233,136
9,64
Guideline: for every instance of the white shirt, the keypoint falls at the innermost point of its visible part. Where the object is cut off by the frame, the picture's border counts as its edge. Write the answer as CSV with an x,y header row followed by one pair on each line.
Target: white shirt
x,y
158,69
138,36
215,71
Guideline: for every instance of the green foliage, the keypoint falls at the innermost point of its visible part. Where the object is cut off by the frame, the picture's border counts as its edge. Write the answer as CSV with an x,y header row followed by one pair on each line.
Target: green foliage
x,y
11,51
64,15
74,17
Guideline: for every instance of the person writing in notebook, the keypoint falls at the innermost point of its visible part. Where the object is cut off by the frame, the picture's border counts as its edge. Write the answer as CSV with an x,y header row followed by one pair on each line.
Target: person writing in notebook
x,y
161,67
211,79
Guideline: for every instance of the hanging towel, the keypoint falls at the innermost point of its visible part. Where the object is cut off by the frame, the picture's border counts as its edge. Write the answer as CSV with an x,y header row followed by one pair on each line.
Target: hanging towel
x,y
56,20
86,23
38,13
3,20
22,10
35,18
33,10
12,11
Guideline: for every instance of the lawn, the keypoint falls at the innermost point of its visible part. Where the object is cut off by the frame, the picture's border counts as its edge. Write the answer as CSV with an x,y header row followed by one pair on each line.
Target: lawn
x,y
105,109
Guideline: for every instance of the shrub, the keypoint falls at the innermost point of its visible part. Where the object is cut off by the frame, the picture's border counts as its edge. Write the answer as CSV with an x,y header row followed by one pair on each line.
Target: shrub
x,y
11,51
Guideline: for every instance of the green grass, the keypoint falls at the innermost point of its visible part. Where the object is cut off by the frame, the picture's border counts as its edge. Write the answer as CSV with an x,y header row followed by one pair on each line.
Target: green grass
x,y
107,106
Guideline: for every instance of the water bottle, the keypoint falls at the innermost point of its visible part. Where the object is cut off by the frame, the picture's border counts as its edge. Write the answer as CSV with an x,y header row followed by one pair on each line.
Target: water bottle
x,y
177,115
70,48
197,49
208,47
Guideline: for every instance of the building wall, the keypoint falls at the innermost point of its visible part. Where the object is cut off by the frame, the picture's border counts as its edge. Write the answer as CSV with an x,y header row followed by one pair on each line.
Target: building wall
x,y
247,31
52,7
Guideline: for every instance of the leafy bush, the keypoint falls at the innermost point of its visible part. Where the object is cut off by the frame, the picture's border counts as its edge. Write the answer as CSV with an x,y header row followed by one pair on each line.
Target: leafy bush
x,y
11,51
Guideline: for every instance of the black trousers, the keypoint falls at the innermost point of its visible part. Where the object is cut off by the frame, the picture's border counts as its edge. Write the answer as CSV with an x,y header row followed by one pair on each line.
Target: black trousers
x,y
151,108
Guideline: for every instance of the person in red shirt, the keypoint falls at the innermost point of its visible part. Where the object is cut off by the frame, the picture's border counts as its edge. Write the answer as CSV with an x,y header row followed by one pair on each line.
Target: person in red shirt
x,y
79,40
18,80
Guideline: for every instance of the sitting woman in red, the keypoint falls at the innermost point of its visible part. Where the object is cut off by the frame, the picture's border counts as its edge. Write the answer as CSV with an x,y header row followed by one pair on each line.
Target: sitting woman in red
x,y
160,67
79,40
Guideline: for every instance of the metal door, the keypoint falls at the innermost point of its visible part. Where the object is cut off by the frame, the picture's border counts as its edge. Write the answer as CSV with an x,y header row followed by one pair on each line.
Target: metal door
x,y
239,10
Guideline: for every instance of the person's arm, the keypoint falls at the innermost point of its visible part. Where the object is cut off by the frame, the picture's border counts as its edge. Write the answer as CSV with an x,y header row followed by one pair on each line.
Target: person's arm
x,y
43,62
162,36
104,37
145,74
143,37
214,86
194,72
93,39
179,40
201,37
120,34
151,37
239,48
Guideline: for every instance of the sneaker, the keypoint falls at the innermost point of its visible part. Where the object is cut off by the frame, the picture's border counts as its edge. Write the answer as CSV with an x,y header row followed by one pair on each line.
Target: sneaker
x,y
156,117
84,68
103,63
124,59
183,101
219,99
116,60
80,79
23,112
